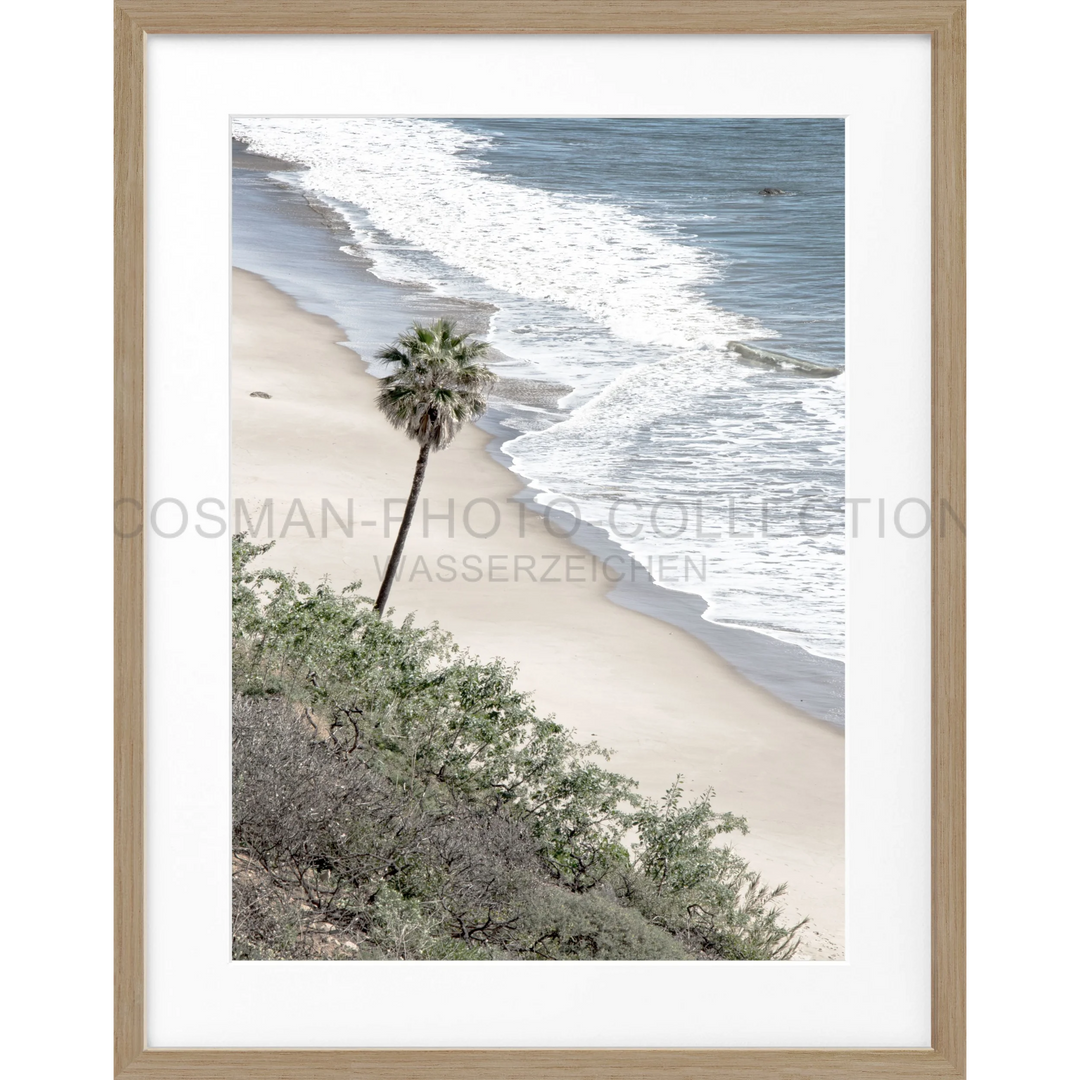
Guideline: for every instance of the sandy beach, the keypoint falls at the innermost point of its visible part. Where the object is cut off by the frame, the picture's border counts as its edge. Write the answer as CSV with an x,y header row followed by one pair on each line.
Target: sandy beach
x,y
505,584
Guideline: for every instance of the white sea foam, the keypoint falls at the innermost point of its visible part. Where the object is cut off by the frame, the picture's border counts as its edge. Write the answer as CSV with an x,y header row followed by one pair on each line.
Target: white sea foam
x,y
672,462
417,181
664,421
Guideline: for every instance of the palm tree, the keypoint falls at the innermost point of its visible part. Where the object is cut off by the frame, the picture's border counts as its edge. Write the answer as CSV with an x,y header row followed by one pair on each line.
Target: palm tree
x,y
438,385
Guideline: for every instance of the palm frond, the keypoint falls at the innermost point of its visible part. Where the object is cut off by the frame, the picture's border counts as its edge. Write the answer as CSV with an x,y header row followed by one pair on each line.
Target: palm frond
x,y
438,383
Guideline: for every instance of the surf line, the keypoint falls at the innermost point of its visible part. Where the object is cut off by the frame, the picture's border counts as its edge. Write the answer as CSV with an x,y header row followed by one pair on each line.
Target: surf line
x,y
774,359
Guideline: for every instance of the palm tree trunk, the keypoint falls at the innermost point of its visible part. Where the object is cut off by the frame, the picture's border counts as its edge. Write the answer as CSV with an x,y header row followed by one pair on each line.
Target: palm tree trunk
x,y
406,521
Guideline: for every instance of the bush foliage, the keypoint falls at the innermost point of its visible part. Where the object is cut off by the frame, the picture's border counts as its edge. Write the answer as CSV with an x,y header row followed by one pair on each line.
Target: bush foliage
x,y
394,797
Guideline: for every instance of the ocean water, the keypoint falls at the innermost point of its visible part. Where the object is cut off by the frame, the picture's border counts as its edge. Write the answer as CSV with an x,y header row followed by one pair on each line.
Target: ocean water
x,y
620,259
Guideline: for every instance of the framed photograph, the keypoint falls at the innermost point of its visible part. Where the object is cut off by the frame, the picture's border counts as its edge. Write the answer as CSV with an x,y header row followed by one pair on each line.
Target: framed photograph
x,y
539,539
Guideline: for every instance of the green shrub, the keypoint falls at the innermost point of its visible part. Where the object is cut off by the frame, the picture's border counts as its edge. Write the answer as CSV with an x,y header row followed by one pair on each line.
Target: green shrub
x,y
402,799
557,924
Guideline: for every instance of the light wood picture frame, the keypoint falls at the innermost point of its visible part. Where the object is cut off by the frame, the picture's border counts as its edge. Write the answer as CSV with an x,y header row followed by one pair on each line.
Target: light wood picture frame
x,y
943,21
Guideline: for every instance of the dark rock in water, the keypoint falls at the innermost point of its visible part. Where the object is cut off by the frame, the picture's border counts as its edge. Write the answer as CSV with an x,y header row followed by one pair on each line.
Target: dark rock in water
x,y
258,393
771,191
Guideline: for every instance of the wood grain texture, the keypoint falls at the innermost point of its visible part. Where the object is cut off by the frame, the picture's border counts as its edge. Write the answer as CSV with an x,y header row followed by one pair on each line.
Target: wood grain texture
x,y
944,20
947,469
128,551
596,1064
539,16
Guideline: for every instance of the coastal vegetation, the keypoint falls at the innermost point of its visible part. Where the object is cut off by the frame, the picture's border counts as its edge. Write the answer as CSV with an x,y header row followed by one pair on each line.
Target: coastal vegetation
x,y
395,797
437,384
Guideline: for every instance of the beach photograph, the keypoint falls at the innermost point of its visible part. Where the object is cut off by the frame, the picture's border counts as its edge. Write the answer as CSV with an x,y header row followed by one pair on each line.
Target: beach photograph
x,y
539,558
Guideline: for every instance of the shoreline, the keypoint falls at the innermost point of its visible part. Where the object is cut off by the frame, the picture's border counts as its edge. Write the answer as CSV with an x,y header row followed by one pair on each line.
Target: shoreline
x,y
809,682
659,697
812,684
